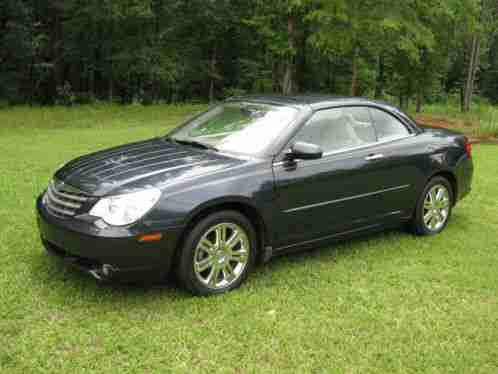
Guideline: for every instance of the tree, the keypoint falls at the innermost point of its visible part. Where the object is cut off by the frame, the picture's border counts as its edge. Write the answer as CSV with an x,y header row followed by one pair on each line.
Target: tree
x,y
18,47
177,50
281,28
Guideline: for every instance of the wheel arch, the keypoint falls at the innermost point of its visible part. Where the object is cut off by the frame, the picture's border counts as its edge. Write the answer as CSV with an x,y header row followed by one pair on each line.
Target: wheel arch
x,y
450,177
238,204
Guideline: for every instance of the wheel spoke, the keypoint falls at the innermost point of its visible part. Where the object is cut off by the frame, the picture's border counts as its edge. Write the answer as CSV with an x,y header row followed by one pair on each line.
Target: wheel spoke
x,y
432,195
206,246
213,276
239,256
440,217
433,222
234,239
428,217
428,205
204,264
440,194
221,234
228,273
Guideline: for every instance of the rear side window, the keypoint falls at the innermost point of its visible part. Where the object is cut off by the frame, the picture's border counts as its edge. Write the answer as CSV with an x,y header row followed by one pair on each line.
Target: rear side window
x,y
387,126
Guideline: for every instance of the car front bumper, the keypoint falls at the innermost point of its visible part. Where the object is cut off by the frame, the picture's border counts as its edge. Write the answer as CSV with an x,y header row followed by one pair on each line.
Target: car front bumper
x,y
110,253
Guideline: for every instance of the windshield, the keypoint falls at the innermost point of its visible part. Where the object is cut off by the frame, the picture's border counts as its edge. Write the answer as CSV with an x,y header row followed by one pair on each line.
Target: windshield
x,y
239,127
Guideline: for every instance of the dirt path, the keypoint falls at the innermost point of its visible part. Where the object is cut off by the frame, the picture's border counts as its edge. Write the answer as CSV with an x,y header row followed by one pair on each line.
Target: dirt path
x,y
461,126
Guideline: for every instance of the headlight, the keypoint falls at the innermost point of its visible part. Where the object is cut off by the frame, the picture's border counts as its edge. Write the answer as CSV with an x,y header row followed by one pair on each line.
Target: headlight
x,y
121,210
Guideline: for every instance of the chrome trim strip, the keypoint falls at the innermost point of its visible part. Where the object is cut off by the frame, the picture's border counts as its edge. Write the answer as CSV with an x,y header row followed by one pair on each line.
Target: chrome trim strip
x,y
367,145
345,199
68,189
52,207
352,149
66,204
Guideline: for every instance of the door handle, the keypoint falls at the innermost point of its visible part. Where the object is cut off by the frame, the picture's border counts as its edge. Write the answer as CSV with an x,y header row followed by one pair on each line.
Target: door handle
x,y
374,157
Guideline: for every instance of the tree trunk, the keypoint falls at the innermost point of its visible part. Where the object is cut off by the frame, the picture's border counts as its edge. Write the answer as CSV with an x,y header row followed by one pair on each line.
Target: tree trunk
x,y
354,76
330,77
212,71
381,79
289,84
419,102
91,83
301,57
471,72
275,76
111,87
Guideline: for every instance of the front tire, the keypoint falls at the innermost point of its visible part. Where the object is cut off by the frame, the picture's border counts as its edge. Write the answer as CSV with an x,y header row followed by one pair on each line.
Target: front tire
x,y
434,207
217,254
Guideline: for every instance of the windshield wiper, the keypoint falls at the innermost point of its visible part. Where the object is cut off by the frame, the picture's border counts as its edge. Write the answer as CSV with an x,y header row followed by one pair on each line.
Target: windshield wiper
x,y
193,143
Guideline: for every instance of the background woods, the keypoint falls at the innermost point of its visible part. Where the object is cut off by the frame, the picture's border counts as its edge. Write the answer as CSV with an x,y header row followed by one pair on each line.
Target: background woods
x,y
77,51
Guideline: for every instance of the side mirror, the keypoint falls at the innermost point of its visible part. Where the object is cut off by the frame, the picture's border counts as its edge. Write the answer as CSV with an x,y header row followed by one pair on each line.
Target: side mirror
x,y
304,151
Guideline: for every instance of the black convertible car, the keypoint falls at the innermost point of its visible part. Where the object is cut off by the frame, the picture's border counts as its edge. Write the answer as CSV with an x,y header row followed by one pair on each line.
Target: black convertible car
x,y
251,178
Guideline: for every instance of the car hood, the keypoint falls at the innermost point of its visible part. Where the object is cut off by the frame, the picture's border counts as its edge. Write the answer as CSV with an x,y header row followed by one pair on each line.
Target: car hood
x,y
138,165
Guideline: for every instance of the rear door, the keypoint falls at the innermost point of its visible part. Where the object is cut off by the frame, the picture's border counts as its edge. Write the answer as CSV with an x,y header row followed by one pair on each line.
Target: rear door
x,y
364,178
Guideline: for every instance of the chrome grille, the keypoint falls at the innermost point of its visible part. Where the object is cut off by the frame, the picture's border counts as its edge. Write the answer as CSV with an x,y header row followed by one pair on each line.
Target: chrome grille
x,y
63,200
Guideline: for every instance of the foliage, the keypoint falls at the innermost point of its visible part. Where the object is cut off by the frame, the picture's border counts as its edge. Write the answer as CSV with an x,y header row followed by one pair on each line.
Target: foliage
x,y
182,50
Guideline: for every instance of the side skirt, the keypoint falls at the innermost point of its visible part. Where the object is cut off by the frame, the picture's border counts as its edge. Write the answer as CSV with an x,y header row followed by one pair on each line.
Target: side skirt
x,y
318,242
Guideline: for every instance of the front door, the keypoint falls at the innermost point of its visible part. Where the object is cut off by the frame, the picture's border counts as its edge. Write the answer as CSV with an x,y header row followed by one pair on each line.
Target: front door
x,y
361,181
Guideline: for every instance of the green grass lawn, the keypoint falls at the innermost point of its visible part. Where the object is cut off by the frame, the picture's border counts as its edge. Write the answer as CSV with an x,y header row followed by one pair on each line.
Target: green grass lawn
x,y
387,303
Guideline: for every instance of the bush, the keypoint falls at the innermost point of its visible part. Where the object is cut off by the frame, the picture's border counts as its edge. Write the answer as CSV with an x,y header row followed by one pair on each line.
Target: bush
x,y
65,95
233,91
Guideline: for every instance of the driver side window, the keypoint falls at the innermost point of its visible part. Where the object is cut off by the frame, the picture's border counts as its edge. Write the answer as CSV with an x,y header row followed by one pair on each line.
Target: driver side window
x,y
339,129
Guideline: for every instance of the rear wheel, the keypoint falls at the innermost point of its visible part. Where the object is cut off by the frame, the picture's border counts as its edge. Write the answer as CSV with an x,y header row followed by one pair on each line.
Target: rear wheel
x,y
217,254
434,207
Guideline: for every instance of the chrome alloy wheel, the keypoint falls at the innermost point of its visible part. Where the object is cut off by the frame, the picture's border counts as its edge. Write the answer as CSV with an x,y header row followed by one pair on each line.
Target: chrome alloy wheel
x,y
221,255
436,207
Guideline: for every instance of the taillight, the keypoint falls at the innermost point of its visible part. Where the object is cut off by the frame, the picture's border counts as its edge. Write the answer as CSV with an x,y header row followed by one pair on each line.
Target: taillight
x,y
468,148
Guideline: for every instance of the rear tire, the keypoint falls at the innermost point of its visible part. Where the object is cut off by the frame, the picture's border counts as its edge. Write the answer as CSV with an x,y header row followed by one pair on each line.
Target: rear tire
x,y
217,254
433,210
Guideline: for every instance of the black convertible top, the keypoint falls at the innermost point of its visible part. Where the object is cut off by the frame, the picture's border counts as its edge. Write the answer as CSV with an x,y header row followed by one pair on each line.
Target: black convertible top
x,y
315,101
318,102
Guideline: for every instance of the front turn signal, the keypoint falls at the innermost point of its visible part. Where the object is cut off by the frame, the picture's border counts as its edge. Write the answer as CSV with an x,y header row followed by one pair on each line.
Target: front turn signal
x,y
150,237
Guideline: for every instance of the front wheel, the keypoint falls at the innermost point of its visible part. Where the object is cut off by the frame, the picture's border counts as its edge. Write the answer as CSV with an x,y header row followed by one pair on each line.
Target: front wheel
x,y
217,254
433,209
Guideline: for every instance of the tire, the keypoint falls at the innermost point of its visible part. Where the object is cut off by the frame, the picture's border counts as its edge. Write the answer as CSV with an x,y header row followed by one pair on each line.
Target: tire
x,y
207,265
432,218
